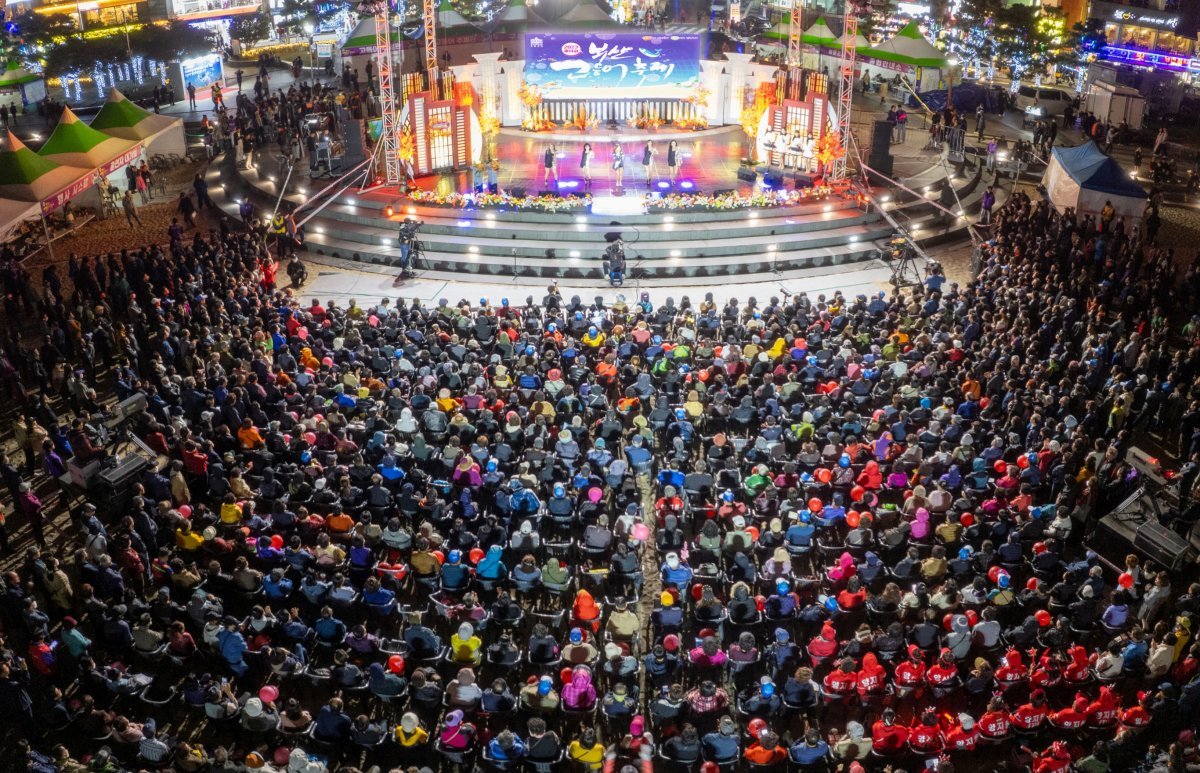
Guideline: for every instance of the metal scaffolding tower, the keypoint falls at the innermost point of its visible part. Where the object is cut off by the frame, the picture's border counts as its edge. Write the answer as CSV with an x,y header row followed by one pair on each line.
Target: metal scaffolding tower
x,y
846,90
429,11
390,133
795,30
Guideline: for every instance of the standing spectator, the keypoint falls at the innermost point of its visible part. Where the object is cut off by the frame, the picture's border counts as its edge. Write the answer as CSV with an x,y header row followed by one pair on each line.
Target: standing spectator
x,y
130,208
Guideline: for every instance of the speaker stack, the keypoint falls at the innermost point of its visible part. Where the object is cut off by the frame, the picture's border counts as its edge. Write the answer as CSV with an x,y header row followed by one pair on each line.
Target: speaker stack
x,y
881,152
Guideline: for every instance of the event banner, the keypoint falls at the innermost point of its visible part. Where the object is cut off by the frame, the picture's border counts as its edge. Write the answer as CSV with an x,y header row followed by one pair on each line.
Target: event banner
x,y
621,65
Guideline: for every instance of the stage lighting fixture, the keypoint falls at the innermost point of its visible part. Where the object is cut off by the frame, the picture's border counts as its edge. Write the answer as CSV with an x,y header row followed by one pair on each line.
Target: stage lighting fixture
x,y
388,211
664,185
464,223
686,185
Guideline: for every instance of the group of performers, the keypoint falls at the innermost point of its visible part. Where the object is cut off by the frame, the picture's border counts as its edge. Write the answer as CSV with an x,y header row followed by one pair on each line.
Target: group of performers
x,y
587,158
795,151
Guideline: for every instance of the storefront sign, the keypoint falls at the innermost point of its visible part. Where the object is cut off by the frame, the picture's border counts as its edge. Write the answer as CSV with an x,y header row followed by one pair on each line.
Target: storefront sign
x,y
1136,17
1141,58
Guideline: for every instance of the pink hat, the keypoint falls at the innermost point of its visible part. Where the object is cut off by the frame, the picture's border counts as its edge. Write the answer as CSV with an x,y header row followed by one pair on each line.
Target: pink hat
x,y
268,694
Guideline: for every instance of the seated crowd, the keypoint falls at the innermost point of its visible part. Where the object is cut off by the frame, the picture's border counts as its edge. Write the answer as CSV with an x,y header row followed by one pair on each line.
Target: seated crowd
x,y
818,533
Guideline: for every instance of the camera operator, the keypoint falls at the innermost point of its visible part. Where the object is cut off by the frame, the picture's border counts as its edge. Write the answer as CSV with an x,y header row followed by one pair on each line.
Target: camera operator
x,y
614,262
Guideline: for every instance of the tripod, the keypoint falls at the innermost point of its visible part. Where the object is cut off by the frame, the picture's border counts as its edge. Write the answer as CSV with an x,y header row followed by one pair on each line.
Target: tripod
x,y
416,252
905,272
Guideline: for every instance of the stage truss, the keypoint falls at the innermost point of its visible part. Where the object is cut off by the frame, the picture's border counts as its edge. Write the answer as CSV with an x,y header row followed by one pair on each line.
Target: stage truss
x,y
846,89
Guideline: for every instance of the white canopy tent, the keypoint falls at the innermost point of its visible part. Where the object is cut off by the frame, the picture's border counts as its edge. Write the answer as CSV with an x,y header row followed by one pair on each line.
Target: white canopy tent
x,y
1084,178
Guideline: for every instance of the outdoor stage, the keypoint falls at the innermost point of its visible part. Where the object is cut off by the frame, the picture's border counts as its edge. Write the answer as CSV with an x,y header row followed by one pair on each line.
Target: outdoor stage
x,y
721,231
709,162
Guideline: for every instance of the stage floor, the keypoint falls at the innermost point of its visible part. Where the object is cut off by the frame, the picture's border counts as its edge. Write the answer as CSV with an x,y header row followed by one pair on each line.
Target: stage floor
x,y
709,163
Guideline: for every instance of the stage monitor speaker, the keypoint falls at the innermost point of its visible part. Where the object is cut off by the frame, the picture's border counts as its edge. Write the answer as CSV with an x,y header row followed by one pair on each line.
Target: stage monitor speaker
x,y
1162,545
805,180
518,193
773,179
747,173
881,137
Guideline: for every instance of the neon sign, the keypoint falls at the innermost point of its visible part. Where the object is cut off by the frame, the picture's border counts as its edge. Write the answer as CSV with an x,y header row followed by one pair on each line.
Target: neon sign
x,y
1150,59
1133,17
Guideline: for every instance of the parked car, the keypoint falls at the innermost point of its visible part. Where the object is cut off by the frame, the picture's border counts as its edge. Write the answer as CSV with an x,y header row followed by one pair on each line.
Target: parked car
x,y
1037,102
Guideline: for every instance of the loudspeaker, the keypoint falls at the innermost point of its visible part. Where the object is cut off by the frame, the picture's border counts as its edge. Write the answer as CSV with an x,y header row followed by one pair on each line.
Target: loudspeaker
x,y
1162,545
747,173
881,137
517,192
882,166
772,179
804,180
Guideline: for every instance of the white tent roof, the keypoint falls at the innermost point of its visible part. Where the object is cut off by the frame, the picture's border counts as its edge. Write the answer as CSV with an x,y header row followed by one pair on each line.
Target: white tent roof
x,y
585,12
860,41
909,46
149,127
819,33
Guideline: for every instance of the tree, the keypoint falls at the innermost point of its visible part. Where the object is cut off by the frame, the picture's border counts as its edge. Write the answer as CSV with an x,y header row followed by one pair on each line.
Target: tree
x,y
752,113
76,55
1025,42
976,25
250,28
299,14
1087,37
37,33
178,40
870,16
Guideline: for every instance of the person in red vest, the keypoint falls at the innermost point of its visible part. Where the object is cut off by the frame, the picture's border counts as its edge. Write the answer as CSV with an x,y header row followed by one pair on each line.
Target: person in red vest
x,y
995,722
1103,712
910,673
962,735
1013,672
888,737
1056,759
1137,717
1071,718
925,736
943,674
1032,715
871,677
842,681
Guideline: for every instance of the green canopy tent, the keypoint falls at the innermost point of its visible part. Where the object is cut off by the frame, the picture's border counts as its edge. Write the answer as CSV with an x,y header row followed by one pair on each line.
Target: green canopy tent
x,y
17,82
76,144
28,181
909,51
123,119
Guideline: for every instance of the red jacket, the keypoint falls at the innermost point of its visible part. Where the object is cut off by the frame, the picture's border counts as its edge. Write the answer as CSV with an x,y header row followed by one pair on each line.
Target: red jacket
x,y
1029,717
994,724
1068,719
960,740
839,682
910,674
872,677
942,674
1104,711
1052,762
925,738
1135,716
888,738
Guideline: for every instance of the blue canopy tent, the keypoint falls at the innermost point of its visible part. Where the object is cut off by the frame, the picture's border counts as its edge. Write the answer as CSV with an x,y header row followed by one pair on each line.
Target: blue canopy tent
x,y
1084,178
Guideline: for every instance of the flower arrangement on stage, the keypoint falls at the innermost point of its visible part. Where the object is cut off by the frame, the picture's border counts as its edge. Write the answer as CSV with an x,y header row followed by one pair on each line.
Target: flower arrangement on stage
x,y
496,200
646,118
728,201
583,120
671,202
691,123
489,122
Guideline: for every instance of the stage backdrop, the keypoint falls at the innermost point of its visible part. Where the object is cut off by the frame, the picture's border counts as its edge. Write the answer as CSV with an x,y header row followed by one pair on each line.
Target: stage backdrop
x,y
599,65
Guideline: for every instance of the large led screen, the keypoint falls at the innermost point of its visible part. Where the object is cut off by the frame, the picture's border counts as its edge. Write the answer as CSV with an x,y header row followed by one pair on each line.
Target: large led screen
x,y
596,65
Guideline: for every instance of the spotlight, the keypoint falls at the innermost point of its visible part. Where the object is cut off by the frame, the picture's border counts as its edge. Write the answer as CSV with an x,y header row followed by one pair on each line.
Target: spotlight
x,y
388,212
